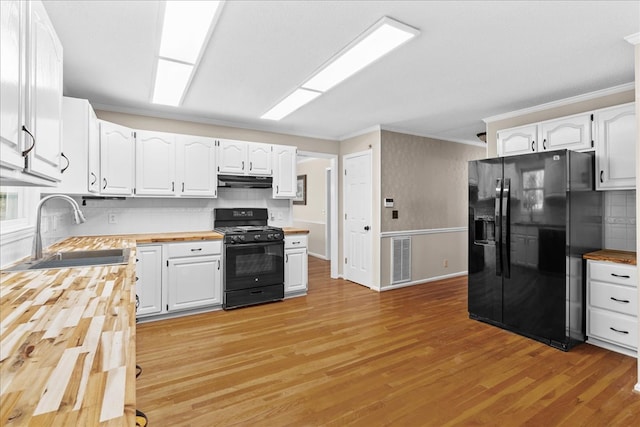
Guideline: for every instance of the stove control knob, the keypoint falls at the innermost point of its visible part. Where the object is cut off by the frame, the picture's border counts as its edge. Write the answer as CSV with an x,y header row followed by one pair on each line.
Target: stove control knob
x,y
277,236
241,238
256,237
270,236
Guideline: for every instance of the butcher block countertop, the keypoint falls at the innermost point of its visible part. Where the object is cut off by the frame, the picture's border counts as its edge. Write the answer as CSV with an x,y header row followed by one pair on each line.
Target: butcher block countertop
x,y
68,337
611,255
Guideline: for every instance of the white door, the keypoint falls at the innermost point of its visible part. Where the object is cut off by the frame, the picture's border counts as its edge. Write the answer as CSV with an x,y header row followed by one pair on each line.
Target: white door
x,y
149,279
573,133
116,159
284,172
295,270
155,164
520,140
194,282
616,147
358,236
259,159
11,84
232,156
94,153
196,166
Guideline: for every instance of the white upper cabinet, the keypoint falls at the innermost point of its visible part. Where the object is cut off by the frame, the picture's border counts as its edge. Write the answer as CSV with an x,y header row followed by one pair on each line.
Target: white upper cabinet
x,y
259,159
244,158
520,140
196,172
155,164
573,133
12,83
616,147
31,95
117,151
81,141
284,171
45,99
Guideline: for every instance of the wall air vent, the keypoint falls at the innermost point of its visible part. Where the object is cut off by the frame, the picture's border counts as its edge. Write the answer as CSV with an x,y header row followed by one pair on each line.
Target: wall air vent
x,y
400,259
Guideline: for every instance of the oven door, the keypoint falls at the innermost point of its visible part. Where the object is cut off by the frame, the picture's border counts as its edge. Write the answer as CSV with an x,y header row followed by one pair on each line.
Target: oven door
x,y
253,265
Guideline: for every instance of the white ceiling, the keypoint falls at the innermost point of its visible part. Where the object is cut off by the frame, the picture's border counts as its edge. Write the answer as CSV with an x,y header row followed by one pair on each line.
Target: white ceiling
x,y
472,60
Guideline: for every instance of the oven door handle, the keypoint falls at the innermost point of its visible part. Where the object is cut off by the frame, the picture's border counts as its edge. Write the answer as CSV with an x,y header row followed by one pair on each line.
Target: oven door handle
x,y
255,245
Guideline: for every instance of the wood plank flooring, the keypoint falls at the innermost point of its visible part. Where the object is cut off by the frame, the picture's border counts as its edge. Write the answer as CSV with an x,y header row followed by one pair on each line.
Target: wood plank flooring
x,y
346,355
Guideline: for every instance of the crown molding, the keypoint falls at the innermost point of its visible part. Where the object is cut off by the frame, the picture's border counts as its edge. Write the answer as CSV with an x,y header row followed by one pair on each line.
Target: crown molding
x,y
562,102
634,39
430,136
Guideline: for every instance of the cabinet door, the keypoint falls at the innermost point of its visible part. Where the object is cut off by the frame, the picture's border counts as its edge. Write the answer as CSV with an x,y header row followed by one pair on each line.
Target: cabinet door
x,y
259,159
284,172
295,270
196,173
149,283
155,164
11,83
616,147
521,140
573,133
45,100
116,159
93,183
232,157
194,282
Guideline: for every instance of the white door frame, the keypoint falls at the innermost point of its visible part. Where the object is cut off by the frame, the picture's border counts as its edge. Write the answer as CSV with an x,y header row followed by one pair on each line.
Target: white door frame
x,y
345,251
333,213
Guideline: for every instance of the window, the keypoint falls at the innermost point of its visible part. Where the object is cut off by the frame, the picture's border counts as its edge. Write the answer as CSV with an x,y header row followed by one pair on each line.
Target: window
x,y
15,203
533,190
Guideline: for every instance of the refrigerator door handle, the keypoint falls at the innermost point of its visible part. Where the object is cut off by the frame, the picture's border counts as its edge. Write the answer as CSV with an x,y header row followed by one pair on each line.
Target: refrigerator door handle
x,y
506,233
498,222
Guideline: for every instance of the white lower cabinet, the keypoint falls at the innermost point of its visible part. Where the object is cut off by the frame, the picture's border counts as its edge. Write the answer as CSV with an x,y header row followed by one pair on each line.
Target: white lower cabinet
x,y
179,276
295,265
612,306
149,280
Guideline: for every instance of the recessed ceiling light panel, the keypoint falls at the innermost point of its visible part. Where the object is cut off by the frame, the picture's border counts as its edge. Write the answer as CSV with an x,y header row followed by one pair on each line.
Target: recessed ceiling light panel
x,y
290,104
171,82
383,37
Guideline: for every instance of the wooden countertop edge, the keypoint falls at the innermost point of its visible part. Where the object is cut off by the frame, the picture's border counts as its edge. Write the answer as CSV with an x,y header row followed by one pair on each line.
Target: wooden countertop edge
x,y
612,255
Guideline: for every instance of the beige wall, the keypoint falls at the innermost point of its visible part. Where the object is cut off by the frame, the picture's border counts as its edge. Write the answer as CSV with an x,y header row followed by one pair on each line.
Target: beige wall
x,y
427,179
368,141
552,113
203,129
313,215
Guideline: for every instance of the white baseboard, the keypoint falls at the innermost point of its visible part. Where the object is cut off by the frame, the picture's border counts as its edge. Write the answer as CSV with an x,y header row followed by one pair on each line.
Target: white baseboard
x,y
315,255
421,281
637,388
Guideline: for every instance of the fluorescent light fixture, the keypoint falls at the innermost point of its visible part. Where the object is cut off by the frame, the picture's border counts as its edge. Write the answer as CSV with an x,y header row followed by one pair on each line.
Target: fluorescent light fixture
x,y
171,82
383,37
290,104
186,27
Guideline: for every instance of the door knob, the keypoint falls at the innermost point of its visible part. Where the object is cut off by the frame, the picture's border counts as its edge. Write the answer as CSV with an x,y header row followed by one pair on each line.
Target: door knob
x,y
366,228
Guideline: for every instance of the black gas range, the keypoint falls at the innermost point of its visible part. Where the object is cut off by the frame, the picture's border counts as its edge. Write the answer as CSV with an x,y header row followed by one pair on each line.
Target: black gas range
x,y
253,257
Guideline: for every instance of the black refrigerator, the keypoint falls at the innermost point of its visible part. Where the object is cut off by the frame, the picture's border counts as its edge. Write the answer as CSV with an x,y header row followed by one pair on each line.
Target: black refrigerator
x,y
531,218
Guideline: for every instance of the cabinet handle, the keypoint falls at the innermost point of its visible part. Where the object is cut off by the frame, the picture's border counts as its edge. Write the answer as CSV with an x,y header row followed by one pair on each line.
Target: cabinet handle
x,y
626,301
33,138
622,276
196,250
173,186
137,302
533,143
277,189
618,331
601,174
183,187
544,144
243,165
286,258
95,178
296,243
104,180
68,162
218,265
250,166
137,278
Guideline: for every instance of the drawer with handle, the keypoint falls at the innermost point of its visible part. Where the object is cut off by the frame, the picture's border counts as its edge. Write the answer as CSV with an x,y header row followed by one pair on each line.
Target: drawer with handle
x,y
196,248
613,273
616,328
296,241
623,299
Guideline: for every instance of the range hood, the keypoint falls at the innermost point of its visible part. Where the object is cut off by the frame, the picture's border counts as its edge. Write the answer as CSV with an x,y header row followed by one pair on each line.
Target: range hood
x,y
234,181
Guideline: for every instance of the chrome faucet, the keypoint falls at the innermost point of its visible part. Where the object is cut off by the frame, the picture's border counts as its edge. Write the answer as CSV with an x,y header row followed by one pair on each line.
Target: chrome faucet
x,y
78,218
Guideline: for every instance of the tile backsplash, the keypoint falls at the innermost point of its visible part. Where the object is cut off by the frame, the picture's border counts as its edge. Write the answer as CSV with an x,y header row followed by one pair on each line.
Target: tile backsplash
x,y
156,215
620,220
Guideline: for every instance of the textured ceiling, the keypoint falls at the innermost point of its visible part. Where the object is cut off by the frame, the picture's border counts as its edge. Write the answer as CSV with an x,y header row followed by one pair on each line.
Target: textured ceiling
x,y
472,60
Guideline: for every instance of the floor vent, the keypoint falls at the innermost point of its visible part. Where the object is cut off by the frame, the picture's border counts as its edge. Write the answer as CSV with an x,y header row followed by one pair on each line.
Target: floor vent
x,y
401,259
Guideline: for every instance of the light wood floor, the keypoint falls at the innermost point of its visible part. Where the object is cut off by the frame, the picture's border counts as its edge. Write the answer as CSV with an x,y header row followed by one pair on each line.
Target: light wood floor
x,y
346,355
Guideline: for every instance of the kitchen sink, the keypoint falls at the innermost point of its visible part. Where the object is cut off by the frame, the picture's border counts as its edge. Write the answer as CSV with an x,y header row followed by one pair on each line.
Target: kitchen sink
x,y
76,259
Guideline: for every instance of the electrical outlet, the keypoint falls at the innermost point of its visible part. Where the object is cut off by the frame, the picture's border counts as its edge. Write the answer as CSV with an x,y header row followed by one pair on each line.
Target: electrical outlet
x,y
445,263
112,218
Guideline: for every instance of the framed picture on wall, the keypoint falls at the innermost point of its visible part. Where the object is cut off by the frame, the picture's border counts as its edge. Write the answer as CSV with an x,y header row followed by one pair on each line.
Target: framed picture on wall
x,y
301,191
